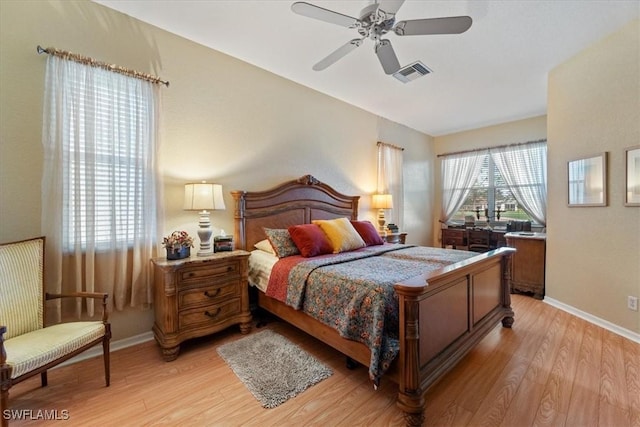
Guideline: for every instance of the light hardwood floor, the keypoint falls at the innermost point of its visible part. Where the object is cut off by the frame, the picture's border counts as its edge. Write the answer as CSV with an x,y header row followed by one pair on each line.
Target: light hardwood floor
x,y
550,369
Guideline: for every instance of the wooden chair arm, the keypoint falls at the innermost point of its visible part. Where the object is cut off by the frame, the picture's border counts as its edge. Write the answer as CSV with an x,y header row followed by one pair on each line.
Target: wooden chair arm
x,y
93,295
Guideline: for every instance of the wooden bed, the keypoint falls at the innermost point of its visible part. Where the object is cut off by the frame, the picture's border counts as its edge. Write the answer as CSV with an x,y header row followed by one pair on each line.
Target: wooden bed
x,y
443,314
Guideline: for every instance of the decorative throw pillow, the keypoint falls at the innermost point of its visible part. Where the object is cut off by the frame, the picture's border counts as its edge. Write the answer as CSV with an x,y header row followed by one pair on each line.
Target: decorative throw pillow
x,y
310,240
368,232
265,246
341,234
281,242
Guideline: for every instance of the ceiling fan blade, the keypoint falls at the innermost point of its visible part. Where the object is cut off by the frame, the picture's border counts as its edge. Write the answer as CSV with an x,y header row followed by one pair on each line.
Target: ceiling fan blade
x,y
322,14
390,7
387,57
417,27
337,54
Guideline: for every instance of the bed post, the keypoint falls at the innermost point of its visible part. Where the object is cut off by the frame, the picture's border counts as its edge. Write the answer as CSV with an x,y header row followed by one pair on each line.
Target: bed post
x,y
238,214
507,320
410,395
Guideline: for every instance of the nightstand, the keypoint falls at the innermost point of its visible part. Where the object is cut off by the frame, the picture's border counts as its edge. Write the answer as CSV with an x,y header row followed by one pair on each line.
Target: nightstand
x,y
199,296
394,237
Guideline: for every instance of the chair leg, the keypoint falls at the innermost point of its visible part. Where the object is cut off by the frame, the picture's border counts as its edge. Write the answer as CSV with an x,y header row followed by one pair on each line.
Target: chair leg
x,y
107,364
4,405
43,379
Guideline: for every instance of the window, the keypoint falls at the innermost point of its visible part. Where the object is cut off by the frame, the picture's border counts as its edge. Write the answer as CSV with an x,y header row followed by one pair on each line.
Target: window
x,y
488,195
390,180
498,184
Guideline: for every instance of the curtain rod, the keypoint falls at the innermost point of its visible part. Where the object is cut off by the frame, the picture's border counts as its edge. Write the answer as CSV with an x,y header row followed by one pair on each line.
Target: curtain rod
x,y
390,145
489,148
94,63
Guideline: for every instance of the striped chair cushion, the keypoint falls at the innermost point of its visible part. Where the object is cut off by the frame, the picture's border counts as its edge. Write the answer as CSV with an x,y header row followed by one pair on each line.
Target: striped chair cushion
x,y
21,276
35,349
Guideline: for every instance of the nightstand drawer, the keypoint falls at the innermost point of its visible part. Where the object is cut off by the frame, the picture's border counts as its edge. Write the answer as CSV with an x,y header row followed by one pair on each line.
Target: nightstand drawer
x,y
207,295
209,315
208,272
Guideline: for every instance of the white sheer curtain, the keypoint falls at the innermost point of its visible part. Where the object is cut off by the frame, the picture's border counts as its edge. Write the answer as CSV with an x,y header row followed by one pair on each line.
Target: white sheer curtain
x,y
458,172
99,187
524,169
390,180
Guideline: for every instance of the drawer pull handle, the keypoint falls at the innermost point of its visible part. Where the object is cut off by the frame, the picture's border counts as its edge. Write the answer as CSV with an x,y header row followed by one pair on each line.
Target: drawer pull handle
x,y
229,268
212,294
212,314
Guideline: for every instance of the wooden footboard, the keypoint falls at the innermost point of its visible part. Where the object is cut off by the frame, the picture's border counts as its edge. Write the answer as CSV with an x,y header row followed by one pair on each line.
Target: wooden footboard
x,y
442,316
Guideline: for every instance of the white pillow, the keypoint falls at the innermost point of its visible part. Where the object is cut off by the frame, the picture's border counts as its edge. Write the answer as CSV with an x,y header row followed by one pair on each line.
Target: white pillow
x,y
264,245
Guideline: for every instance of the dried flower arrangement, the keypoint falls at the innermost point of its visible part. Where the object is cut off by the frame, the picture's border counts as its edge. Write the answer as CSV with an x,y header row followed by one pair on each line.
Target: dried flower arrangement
x,y
177,240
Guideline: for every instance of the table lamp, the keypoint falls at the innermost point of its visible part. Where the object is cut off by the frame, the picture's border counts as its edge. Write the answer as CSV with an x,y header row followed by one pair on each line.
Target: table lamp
x,y
203,197
381,202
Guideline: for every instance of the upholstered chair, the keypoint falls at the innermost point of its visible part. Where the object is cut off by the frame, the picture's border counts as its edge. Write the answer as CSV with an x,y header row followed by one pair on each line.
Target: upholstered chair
x,y
27,347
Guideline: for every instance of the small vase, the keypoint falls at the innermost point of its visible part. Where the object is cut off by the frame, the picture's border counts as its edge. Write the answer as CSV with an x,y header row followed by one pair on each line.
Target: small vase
x,y
180,253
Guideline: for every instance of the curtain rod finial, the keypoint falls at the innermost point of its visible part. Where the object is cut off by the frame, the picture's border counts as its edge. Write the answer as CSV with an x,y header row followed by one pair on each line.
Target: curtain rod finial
x,y
40,49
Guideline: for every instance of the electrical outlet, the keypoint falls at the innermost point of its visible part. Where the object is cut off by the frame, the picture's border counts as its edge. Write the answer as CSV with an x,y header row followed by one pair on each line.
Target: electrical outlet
x,y
632,303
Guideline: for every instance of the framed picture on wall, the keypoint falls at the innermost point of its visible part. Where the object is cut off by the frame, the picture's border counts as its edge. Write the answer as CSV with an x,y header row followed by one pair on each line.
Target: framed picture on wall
x,y
632,176
587,181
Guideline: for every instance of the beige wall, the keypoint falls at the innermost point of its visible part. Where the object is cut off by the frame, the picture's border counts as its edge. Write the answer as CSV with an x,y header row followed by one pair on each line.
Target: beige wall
x,y
223,120
532,129
593,254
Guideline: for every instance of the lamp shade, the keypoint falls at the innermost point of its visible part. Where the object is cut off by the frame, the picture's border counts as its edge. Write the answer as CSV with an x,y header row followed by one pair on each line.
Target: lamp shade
x,y
382,201
203,197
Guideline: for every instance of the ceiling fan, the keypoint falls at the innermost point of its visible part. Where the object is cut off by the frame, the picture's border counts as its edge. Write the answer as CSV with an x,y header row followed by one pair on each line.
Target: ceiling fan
x,y
375,21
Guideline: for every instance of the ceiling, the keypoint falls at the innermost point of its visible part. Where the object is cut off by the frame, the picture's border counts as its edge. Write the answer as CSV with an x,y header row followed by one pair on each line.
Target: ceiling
x,y
493,73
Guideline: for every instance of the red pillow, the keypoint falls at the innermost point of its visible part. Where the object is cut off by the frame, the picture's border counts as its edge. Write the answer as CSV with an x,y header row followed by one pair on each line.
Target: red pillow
x,y
368,232
310,240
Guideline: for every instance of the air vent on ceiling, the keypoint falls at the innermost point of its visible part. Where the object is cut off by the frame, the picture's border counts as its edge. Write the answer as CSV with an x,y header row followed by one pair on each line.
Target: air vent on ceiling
x,y
411,72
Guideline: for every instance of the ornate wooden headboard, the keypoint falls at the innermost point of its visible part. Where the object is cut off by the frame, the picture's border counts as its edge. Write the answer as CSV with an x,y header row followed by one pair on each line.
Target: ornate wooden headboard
x,y
294,202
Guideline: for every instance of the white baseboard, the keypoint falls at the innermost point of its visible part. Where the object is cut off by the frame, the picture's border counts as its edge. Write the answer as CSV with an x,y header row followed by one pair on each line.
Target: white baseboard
x,y
114,346
595,320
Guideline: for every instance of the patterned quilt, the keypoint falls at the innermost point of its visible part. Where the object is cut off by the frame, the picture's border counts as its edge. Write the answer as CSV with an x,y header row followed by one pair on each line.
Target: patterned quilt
x,y
353,291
